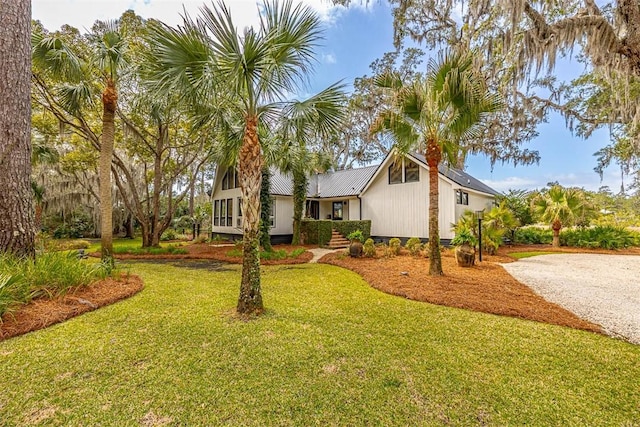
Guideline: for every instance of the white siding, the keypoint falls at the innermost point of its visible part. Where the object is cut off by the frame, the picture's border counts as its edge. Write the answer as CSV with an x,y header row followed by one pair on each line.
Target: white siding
x,y
477,202
354,210
446,208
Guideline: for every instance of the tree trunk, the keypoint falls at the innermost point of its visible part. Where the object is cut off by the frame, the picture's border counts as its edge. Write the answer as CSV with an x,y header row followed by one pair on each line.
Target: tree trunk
x,y
250,167
556,226
433,156
109,102
128,227
300,183
16,198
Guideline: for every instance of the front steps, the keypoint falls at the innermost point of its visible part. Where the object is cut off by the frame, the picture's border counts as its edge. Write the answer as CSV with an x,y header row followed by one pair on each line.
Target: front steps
x,y
337,241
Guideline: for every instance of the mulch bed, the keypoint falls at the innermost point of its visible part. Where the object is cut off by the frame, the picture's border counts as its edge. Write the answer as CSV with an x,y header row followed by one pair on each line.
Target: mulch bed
x,y
42,312
219,253
485,287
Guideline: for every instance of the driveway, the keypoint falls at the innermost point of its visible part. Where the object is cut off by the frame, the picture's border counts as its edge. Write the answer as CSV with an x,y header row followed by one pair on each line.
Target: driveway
x,y
604,289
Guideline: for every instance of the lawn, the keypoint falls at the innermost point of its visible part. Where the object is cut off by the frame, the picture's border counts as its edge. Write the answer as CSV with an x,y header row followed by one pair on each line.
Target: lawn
x,y
330,351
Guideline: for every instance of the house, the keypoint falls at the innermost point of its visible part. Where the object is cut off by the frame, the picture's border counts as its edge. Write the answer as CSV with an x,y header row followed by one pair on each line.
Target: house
x,y
394,195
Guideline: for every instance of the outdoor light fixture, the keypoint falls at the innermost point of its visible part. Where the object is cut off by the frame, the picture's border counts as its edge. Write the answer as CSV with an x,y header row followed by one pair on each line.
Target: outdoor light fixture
x,y
480,216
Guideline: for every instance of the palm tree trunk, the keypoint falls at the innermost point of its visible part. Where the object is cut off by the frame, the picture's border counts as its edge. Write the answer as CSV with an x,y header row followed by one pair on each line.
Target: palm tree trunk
x,y
433,156
16,210
556,226
299,196
109,102
250,167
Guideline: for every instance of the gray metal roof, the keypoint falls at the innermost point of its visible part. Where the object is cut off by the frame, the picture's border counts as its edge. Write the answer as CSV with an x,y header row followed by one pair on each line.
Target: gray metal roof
x,y
343,183
460,177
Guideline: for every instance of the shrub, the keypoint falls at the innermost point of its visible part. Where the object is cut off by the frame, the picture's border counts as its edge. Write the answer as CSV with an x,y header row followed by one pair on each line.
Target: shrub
x,y
464,235
347,227
413,245
356,235
369,248
605,237
394,246
316,232
533,235
169,234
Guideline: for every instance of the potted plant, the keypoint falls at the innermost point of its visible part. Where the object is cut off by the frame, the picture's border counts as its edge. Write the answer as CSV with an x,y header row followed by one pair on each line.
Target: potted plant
x,y
355,248
465,243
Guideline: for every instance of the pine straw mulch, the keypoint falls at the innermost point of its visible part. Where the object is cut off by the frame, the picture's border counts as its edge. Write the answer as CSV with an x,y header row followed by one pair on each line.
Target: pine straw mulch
x,y
43,312
219,252
485,287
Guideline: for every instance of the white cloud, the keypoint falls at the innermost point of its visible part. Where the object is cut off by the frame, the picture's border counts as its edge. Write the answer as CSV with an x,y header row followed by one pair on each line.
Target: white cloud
x,y
512,182
329,58
83,13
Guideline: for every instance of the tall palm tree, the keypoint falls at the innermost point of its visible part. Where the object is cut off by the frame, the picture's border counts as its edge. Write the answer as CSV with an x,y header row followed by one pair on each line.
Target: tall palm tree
x,y
76,74
319,116
214,65
436,114
560,207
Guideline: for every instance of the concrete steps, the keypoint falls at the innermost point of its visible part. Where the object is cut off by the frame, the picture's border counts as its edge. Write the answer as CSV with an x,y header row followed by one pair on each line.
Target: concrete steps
x,y
337,241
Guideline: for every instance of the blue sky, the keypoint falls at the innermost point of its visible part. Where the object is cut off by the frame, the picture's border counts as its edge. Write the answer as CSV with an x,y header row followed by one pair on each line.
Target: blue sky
x,y
354,38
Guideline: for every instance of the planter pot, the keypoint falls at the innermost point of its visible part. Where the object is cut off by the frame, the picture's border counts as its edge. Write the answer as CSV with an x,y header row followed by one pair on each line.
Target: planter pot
x,y
465,255
355,249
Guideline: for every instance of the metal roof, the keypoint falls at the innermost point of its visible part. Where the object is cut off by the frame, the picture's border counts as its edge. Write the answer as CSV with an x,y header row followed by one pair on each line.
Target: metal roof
x,y
348,182
460,177
351,182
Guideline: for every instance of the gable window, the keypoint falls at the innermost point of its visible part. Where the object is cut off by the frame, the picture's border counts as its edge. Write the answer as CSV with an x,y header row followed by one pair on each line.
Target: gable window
x,y
462,198
216,212
404,171
239,220
230,179
395,173
411,171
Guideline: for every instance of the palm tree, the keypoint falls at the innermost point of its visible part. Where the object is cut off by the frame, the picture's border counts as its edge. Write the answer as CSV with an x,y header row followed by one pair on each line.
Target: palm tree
x,y
436,114
560,207
214,65
76,76
316,117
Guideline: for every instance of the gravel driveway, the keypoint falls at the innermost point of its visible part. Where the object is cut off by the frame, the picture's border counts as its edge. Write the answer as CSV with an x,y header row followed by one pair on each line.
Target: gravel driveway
x,y
604,289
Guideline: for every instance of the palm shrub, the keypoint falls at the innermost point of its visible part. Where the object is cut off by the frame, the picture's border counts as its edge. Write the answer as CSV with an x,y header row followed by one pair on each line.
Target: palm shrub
x,y
605,237
533,236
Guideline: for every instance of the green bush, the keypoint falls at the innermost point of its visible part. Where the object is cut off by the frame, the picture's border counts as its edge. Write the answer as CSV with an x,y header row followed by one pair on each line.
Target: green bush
x,y
533,235
369,248
356,235
169,234
413,245
316,231
394,246
605,237
347,227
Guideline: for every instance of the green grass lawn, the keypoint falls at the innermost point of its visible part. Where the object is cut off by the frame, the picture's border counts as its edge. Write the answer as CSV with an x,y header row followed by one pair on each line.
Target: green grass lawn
x,y
329,351
520,255
124,245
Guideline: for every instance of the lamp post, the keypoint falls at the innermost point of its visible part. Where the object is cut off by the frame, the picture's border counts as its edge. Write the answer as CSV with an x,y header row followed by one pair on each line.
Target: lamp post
x,y
480,215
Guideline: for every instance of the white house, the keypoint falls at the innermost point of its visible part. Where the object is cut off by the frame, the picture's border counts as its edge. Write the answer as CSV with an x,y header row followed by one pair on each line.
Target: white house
x,y
393,195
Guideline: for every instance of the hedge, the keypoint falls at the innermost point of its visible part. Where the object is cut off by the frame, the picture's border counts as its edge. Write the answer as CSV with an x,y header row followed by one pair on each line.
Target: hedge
x,y
318,232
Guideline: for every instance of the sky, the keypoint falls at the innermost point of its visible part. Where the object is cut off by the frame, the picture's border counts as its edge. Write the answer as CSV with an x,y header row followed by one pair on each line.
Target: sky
x,y
354,37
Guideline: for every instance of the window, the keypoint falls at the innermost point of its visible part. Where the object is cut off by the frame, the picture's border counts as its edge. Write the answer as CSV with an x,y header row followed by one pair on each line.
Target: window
x,y
337,211
395,173
239,220
216,212
230,179
411,171
272,213
405,171
462,198
223,213
229,212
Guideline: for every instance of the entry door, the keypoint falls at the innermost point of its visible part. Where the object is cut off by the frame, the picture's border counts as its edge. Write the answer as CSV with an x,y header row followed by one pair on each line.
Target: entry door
x,y
337,211
314,209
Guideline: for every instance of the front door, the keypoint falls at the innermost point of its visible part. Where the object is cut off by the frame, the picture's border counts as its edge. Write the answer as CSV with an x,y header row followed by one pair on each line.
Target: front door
x,y
337,211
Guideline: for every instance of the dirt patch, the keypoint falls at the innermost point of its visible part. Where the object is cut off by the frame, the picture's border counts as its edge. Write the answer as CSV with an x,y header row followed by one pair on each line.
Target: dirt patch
x,y
203,251
41,313
485,287
196,264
